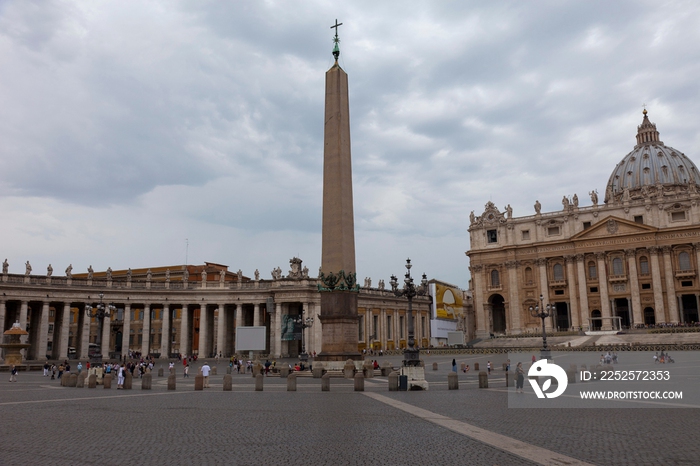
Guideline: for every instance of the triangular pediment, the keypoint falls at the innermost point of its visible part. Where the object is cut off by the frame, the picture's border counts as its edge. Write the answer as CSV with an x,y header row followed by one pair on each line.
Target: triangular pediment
x,y
613,226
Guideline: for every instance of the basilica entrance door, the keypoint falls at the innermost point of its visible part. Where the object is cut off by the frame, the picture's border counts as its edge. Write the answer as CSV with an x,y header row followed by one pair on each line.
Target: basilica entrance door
x,y
498,313
690,308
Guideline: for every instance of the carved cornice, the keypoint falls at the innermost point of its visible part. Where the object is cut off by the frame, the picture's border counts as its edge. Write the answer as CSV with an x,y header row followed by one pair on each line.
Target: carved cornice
x,y
476,268
630,252
569,259
512,264
542,262
580,257
666,249
653,250
600,255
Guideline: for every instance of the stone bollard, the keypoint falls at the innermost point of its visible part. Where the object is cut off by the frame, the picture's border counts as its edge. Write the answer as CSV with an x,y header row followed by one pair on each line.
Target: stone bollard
x,y
146,381
318,370
81,380
349,369
128,380
92,381
107,381
386,369
435,366
573,367
326,383
571,376
171,382
213,370
476,366
257,368
359,382
292,383
160,372
284,372
452,381
368,369
583,368
228,383
64,380
199,382
483,380
73,380
171,371
394,382
259,383
228,370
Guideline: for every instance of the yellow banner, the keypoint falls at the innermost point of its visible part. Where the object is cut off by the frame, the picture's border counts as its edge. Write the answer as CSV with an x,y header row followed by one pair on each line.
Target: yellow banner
x,y
448,302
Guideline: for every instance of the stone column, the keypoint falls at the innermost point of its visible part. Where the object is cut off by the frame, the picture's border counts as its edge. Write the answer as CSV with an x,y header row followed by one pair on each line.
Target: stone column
x,y
382,327
203,331
43,332
84,334
3,313
670,286
482,321
659,311
146,334
575,321
184,331
277,343
308,332
165,336
514,297
221,331
105,336
636,300
284,345
604,295
65,332
582,288
126,330
256,315
318,330
544,288
23,310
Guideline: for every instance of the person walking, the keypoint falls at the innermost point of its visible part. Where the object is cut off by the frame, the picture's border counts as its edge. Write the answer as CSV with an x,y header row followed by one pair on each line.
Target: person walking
x,y
519,378
186,370
205,369
80,367
13,373
121,375
488,367
454,365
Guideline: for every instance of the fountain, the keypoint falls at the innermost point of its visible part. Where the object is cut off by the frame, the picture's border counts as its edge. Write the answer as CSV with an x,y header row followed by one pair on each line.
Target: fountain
x,y
13,345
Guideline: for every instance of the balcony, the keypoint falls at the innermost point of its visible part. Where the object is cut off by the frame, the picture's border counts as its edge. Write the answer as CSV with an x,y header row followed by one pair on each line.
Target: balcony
x,y
557,283
617,278
685,273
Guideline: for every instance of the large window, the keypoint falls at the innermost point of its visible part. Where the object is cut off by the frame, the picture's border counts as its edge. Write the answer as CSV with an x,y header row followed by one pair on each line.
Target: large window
x,y
643,265
528,276
492,236
558,272
592,271
684,261
617,266
495,278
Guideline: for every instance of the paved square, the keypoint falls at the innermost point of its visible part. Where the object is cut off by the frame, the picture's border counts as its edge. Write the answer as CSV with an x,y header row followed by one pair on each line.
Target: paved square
x,y
43,423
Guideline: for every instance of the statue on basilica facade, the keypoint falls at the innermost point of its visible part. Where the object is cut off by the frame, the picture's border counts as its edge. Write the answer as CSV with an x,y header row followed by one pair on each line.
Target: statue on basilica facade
x,y
575,199
594,197
538,207
5,267
167,275
69,271
257,275
509,211
128,274
239,274
149,275
305,272
381,284
109,273
28,268
565,202
49,271
90,272
186,275
472,218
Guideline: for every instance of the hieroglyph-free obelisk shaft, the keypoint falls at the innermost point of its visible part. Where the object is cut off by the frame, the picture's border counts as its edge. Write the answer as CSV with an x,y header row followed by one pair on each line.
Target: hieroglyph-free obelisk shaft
x,y
339,284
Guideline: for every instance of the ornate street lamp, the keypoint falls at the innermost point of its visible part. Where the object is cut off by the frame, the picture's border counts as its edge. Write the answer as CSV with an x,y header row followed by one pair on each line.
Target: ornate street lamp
x,y
543,312
411,355
99,312
305,323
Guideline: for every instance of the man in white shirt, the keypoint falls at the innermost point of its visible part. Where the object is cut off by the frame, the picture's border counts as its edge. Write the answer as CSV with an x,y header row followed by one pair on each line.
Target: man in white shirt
x,y
205,372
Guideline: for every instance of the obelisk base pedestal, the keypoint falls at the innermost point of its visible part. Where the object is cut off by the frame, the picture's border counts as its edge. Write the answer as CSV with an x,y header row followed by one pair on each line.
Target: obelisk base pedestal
x,y
340,331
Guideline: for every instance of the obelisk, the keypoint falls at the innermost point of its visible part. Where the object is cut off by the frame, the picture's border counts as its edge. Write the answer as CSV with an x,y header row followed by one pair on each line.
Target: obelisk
x,y
338,286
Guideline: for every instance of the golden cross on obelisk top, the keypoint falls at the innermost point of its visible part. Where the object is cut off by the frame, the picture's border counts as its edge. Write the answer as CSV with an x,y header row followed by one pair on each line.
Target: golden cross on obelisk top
x,y
336,49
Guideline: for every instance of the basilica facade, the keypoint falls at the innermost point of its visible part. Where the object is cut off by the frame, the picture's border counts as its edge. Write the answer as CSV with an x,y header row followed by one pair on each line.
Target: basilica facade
x,y
628,261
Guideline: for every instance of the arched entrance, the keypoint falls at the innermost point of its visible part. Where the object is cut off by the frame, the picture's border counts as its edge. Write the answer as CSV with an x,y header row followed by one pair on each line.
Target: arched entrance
x,y
622,311
562,317
498,314
649,317
690,308
596,323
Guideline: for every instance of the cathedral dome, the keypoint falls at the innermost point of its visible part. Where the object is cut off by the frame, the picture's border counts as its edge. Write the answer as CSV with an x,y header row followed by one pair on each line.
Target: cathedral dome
x,y
650,168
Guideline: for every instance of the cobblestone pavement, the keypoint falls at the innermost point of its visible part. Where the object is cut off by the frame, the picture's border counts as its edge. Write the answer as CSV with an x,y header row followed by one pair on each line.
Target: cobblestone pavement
x,y
43,423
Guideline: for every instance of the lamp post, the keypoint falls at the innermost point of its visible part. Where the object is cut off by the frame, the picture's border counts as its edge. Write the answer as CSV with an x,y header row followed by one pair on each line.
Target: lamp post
x,y
305,323
411,355
543,312
99,312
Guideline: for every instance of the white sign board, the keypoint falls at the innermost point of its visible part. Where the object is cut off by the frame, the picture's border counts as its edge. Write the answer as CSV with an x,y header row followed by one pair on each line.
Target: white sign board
x,y
455,338
250,339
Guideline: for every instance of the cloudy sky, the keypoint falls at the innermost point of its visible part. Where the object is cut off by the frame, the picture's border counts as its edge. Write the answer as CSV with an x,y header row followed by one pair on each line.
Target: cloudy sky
x,y
128,127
